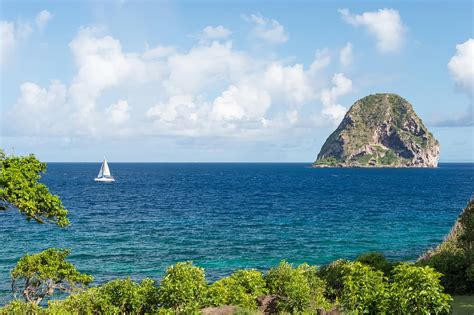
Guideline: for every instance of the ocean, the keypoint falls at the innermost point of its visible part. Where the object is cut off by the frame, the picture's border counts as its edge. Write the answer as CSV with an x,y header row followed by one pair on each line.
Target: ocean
x,y
224,216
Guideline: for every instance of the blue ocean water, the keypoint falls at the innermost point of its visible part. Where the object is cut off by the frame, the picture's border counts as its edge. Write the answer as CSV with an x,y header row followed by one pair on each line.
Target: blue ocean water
x,y
228,216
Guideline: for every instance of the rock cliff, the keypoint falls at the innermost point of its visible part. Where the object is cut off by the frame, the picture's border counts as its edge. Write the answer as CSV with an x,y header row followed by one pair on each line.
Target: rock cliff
x,y
380,130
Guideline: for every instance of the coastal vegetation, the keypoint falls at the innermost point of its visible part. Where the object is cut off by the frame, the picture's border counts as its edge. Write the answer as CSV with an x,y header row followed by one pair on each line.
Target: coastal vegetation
x,y
369,284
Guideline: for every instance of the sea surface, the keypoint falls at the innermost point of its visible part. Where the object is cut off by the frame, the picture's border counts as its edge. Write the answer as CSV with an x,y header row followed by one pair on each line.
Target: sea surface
x,y
227,216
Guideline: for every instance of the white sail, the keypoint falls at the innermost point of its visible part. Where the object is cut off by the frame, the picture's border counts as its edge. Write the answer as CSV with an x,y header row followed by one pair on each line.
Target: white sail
x,y
105,168
101,171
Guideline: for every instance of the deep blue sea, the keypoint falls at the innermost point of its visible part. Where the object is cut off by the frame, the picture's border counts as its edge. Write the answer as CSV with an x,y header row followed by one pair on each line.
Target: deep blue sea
x,y
228,216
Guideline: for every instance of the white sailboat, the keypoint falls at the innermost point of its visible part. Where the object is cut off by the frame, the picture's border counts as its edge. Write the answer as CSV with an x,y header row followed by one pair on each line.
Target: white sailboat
x,y
104,173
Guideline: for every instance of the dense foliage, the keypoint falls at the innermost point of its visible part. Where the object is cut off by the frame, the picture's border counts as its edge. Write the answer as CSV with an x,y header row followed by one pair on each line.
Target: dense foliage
x,y
115,297
417,290
19,187
297,289
183,288
242,289
454,258
41,274
364,290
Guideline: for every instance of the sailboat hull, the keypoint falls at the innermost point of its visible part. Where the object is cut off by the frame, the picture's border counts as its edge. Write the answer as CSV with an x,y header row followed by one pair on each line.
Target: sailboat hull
x,y
104,179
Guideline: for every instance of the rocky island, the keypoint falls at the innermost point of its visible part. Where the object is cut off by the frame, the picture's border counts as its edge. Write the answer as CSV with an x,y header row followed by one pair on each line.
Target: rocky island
x,y
380,130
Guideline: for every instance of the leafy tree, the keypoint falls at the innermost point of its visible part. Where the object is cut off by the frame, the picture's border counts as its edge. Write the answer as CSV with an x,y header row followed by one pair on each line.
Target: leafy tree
x,y
377,261
241,289
333,274
298,289
417,290
41,274
365,289
19,187
183,288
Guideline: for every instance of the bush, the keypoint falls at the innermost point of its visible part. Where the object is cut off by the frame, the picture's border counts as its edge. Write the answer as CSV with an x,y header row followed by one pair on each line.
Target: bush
x,y
183,288
453,267
377,261
21,307
333,274
365,289
417,290
114,297
298,289
241,289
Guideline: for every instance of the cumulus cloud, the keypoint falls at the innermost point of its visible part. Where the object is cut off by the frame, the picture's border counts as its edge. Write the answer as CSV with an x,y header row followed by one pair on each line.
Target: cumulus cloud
x,y
211,89
341,86
346,55
12,34
237,103
118,113
461,67
267,29
42,19
157,52
385,24
214,32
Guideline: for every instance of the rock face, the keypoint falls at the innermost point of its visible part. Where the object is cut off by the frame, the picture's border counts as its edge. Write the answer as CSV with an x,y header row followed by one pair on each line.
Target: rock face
x,y
380,130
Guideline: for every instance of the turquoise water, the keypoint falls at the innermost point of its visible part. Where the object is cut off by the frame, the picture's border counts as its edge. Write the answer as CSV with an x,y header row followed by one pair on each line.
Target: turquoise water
x,y
228,216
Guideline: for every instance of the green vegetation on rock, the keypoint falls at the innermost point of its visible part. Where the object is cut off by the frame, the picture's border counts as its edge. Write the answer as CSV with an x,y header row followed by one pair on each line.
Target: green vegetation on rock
x,y
454,258
380,130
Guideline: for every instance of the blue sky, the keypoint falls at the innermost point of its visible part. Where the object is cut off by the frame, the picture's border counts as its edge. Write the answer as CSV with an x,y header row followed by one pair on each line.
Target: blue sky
x,y
225,81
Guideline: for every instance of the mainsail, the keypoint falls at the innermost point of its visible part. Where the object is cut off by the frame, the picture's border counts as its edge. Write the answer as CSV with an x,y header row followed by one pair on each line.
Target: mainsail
x,y
105,169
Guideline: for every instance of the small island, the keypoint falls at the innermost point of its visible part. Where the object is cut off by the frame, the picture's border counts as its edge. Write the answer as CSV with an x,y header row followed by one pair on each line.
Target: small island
x,y
380,130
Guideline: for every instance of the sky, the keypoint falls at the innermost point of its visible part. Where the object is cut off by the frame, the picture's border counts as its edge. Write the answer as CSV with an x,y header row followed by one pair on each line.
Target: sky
x,y
225,81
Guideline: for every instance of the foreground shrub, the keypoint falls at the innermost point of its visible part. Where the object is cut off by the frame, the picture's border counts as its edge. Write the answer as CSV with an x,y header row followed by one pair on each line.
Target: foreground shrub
x,y
183,288
21,307
417,290
333,275
365,289
114,297
298,289
377,261
241,289
454,268
38,276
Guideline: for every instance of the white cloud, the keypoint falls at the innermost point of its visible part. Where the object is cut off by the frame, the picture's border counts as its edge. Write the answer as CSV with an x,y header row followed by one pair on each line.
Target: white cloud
x,y
204,66
158,52
210,90
461,67
214,32
385,24
322,59
101,65
237,103
42,19
39,110
341,86
267,29
12,34
345,55
118,113
7,33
